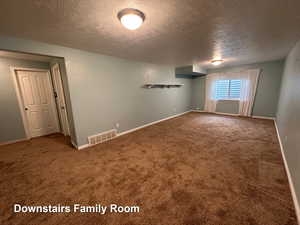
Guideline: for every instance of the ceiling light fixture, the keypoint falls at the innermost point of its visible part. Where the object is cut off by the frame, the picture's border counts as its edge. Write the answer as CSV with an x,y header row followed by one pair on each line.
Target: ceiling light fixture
x,y
132,19
217,62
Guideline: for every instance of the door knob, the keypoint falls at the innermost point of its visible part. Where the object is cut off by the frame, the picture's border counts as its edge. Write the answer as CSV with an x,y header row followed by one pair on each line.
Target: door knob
x,y
26,108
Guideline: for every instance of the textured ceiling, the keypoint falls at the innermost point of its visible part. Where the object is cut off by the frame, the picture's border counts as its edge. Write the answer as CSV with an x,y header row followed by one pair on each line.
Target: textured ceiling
x,y
175,31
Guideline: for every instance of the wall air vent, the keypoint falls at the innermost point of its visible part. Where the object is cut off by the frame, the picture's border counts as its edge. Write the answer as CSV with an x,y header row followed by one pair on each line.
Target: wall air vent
x,y
102,137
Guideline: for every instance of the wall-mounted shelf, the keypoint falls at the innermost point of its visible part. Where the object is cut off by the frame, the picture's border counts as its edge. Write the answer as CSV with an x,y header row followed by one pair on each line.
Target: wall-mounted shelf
x,y
162,85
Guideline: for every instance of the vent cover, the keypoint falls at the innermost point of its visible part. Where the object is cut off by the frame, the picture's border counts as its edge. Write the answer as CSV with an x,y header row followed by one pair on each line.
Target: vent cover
x,y
102,137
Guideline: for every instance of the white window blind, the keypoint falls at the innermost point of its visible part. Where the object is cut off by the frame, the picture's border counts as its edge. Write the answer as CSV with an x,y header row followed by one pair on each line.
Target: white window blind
x,y
228,89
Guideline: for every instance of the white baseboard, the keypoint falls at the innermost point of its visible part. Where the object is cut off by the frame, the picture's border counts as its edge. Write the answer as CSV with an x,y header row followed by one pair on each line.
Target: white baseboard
x,y
231,114
291,184
152,123
79,147
158,121
226,114
263,117
197,110
135,129
14,141
83,146
219,113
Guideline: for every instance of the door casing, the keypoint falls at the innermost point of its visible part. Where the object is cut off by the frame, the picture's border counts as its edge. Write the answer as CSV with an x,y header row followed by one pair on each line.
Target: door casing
x,y
60,99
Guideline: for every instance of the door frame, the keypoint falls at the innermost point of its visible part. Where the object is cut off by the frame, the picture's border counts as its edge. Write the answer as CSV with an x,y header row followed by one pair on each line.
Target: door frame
x,y
19,95
64,124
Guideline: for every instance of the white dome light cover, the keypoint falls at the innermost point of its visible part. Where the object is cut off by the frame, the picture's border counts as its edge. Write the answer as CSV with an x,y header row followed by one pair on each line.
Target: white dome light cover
x,y
217,62
131,18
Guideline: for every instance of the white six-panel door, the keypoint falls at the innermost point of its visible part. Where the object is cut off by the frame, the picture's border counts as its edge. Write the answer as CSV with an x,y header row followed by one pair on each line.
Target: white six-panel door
x,y
38,102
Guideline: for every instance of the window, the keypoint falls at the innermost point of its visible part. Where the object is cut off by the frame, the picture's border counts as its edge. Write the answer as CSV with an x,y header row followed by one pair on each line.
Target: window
x,y
228,89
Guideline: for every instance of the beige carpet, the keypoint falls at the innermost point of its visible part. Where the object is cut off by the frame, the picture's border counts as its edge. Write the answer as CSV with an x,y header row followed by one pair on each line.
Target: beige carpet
x,y
194,169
